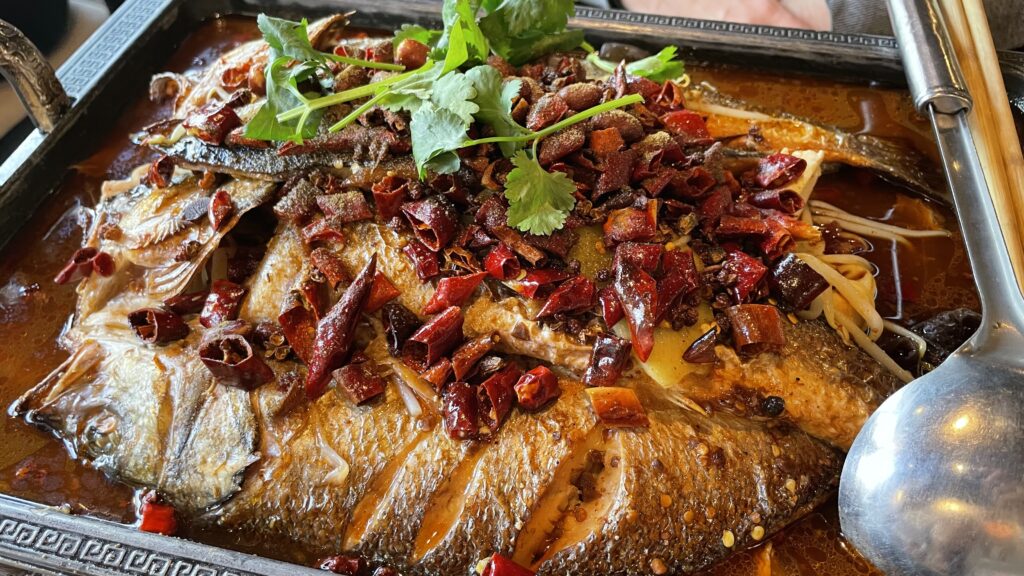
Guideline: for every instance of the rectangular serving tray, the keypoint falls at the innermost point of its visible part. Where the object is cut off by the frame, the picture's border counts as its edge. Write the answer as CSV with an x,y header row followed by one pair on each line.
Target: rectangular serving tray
x,y
114,66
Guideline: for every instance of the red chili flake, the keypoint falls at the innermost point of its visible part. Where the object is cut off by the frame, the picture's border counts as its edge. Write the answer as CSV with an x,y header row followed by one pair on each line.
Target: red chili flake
x,y
433,220
157,326
155,516
460,411
315,298
189,303
84,262
693,183
231,360
644,256
702,350
330,265
346,206
382,292
453,291
299,327
608,359
714,206
638,294
756,328
399,324
223,303
327,228
572,296
465,357
222,207
748,272
499,565
388,195
496,396
607,141
502,263
631,224
536,388
424,261
160,172
438,374
538,282
778,170
611,308
618,407
788,201
439,336
616,169
347,565
359,382
212,122
687,126
337,330
679,277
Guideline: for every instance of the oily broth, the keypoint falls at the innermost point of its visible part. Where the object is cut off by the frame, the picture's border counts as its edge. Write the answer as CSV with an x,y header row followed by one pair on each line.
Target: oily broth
x,y
933,276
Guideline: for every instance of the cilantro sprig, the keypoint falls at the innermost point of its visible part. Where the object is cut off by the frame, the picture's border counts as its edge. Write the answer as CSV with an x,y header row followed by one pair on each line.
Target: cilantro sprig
x,y
660,67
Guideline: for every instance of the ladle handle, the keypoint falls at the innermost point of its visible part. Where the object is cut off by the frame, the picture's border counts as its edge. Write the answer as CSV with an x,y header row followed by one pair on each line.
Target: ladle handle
x,y
932,70
33,78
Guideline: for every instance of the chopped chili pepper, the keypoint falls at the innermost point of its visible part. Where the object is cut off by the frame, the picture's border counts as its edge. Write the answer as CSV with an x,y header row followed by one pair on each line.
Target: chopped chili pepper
x,y
631,224
84,262
433,220
337,330
231,360
702,351
438,374
688,126
330,264
327,228
222,304
399,324
156,516
573,295
501,263
536,388
679,277
160,172
299,327
618,407
496,396
748,272
382,292
359,382
730,226
221,208
465,357
795,284
424,261
388,195
346,565
439,336
788,201
459,407
611,308
453,291
345,206
499,565
608,359
644,256
539,282
212,122
638,293
189,303
756,328
778,170
157,326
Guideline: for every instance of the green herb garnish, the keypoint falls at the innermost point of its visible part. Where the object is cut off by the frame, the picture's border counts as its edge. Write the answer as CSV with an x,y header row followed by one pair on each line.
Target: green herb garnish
x,y
659,67
538,201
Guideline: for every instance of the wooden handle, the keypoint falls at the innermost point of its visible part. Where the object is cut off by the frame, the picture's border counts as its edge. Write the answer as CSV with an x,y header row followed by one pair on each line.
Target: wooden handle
x,y
991,120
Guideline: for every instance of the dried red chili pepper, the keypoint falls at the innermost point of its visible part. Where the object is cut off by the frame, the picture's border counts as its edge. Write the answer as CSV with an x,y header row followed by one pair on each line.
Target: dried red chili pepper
x,y
212,122
425,262
679,277
359,382
756,328
536,388
778,170
336,331
231,360
497,395
330,265
438,374
439,336
299,327
572,296
346,565
388,195
399,324
223,303
222,207
795,284
347,207
730,226
631,224
453,291
433,220
84,262
644,256
688,126
460,411
502,263
189,303
748,272
608,358
611,308
638,294
160,172
382,292
499,565
465,357
156,516
788,201
693,183
618,407
539,282
702,350
327,228
157,326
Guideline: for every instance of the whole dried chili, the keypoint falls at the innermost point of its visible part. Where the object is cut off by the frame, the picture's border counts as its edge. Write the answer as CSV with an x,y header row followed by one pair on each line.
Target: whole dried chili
x,y
638,293
157,326
336,331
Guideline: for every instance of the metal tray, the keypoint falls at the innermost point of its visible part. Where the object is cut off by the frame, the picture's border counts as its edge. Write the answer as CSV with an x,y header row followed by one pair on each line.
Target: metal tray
x,y
114,66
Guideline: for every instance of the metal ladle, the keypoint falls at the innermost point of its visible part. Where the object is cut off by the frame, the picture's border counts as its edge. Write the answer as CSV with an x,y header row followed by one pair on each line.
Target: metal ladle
x,y
934,482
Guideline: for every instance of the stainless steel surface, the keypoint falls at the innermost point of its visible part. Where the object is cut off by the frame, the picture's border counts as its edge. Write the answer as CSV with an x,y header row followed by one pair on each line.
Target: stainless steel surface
x,y
932,484
32,77
928,58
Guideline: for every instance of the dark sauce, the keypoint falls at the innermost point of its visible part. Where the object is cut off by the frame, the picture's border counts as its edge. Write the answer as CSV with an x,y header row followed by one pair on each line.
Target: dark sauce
x,y
933,275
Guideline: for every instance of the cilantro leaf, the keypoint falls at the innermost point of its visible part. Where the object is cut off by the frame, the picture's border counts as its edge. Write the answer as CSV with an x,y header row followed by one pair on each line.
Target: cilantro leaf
x,y
659,67
461,15
494,99
436,134
539,201
519,51
287,38
521,17
283,92
455,92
